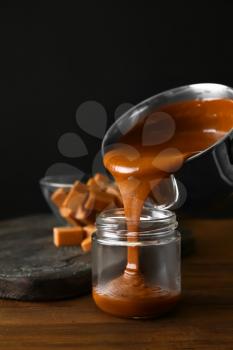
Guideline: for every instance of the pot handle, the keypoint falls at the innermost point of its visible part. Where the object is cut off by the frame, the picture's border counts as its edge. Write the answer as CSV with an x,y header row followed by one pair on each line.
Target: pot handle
x,y
223,157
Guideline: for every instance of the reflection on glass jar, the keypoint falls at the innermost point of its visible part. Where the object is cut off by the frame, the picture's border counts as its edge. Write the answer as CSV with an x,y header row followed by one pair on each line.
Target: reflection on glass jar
x,y
154,286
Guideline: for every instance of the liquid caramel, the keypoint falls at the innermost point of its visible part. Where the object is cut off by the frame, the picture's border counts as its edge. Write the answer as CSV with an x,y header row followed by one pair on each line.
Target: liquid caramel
x,y
153,149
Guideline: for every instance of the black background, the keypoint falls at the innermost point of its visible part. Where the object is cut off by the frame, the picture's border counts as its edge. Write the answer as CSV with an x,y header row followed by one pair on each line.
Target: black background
x,y
58,55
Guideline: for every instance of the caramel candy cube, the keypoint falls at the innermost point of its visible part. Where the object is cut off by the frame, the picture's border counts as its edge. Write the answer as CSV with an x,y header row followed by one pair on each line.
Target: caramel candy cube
x,y
92,185
84,216
76,196
102,181
58,196
99,201
90,202
66,236
66,213
89,230
86,244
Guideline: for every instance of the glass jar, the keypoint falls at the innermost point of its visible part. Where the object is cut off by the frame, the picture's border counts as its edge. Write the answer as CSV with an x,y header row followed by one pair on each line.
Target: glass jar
x,y
153,287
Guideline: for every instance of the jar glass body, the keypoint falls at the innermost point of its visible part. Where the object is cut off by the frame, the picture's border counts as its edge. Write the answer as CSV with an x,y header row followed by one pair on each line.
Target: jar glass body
x,y
155,287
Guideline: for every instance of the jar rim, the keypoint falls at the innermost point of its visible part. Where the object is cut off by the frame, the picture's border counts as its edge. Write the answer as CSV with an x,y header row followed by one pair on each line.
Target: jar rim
x,y
112,216
112,224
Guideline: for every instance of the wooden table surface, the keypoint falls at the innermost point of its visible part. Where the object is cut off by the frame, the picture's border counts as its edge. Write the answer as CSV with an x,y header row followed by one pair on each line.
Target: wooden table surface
x,y
203,320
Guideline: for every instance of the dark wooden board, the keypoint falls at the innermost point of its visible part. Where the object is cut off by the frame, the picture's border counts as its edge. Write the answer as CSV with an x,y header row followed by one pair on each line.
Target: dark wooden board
x,y
32,268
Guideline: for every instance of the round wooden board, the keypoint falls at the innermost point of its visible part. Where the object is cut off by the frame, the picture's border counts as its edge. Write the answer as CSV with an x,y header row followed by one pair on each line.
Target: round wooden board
x,y
32,268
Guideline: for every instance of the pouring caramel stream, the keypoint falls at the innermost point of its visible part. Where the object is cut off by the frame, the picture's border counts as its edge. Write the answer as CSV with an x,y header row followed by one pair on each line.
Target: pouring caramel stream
x,y
153,149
